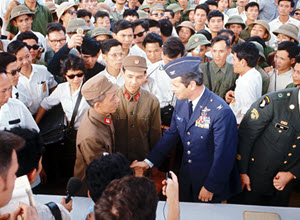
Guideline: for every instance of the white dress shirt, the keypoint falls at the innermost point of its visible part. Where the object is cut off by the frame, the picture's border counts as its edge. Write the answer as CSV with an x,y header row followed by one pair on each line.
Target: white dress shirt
x,y
38,85
119,80
14,113
235,11
67,101
248,89
282,80
19,92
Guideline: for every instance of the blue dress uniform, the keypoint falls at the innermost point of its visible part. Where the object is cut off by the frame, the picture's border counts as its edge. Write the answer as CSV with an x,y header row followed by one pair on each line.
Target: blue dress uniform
x,y
209,139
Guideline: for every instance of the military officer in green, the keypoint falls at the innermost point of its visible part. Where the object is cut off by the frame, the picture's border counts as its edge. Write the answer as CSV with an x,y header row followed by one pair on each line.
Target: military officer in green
x,y
269,149
137,120
218,74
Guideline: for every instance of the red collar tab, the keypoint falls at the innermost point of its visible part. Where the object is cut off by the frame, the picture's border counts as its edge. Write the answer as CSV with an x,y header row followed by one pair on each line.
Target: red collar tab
x,y
126,94
136,97
107,121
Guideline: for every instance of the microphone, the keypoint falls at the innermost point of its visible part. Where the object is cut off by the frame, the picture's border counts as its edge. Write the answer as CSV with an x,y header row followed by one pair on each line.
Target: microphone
x,y
73,186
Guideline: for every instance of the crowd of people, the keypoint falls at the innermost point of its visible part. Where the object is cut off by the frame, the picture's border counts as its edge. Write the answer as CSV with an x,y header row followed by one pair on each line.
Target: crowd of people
x,y
106,91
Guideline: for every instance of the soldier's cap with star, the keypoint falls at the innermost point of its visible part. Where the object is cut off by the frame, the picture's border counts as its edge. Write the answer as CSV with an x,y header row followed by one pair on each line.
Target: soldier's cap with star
x,y
197,40
96,86
182,66
134,63
20,10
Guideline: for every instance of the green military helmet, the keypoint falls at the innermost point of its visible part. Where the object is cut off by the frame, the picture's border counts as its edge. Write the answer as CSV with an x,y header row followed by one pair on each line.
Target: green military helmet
x,y
75,24
235,19
197,40
175,7
260,49
64,7
263,24
143,7
288,30
157,7
20,10
142,15
101,31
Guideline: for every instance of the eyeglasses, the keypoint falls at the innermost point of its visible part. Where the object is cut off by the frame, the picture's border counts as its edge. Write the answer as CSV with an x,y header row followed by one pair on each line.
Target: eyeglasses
x,y
116,55
296,13
58,41
35,47
139,34
73,76
72,12
14,72
159,14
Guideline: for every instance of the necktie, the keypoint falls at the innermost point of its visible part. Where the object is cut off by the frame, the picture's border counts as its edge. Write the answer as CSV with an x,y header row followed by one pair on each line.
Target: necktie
x,y
190,109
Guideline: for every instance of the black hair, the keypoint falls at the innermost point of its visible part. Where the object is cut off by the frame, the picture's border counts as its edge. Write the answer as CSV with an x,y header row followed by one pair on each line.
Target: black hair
x,y
90,46
15,46
211,2
8,143
31,153
204,7
247,51
196,76
173,47
171,12
130,12
121,25
250,5
27,35
215,13
2,69
143,23
152,38
101,14
297,59
6,58
290,47
102,171
291,1
228,31
205,33
153,23
166,27
258,40
81,13
219,38
1,22
72,62
109,43
55,26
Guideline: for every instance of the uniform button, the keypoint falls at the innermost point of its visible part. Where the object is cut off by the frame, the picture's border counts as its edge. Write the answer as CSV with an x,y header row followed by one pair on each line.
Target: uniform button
x,y
294,146
290,154
188,152
280,131
132,126
188,133
285,162
188,143
298,137
189,161
252,159
201,137
131,113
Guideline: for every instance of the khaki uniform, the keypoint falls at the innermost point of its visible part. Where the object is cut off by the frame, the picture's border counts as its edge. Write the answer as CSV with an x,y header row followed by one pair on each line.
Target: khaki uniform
x,y
222,79
137,123
95,136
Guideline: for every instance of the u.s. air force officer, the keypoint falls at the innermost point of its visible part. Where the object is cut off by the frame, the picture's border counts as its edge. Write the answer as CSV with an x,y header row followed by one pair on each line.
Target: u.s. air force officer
x,y
208,131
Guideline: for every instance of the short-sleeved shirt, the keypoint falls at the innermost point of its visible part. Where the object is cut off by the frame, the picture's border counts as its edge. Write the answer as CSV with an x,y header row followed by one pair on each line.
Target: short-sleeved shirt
x,y
282,80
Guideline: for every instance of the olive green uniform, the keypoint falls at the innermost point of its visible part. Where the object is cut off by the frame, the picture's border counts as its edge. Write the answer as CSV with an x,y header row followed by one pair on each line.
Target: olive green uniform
x,y
269,142
222,79
137,123
265,79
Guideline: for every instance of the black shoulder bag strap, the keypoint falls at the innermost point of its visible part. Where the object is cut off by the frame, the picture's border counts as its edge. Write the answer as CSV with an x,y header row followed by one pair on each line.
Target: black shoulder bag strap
x,y
54,210
209,77
75,109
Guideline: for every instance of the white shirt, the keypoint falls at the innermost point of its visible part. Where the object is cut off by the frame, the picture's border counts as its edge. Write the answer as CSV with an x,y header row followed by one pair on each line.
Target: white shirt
x,y
248,89
282,80
46,214
38,85
67,101
19,92
235,11
15,110
119,80
162,84
136,47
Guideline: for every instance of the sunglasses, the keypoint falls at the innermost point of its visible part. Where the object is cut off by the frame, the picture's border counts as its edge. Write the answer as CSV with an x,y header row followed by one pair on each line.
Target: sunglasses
x,y
72,12
35,47
14,72
159,14
73,76
139,34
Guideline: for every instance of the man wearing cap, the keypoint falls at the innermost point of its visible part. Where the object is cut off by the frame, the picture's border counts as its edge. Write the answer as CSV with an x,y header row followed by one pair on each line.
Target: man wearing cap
x,y
157,12
208,172
101,34
198,45
75,24
65,12
287,32
137,120
96,133
268,149
177,12
185,30
236,24
42,17
218,73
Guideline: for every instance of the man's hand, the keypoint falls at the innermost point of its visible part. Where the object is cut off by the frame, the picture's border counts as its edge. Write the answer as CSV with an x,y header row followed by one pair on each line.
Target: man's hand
x,y
245,180
76,40
229,97
69,205
139,167
5,216
205,195
27,212
281,179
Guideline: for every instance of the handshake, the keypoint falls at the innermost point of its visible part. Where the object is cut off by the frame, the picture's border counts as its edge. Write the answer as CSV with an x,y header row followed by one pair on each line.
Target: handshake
x,y
139,167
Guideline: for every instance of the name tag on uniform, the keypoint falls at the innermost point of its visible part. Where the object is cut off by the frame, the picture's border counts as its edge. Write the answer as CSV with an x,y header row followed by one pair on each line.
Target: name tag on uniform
x,y
13,122
281,127
203,122
178,118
